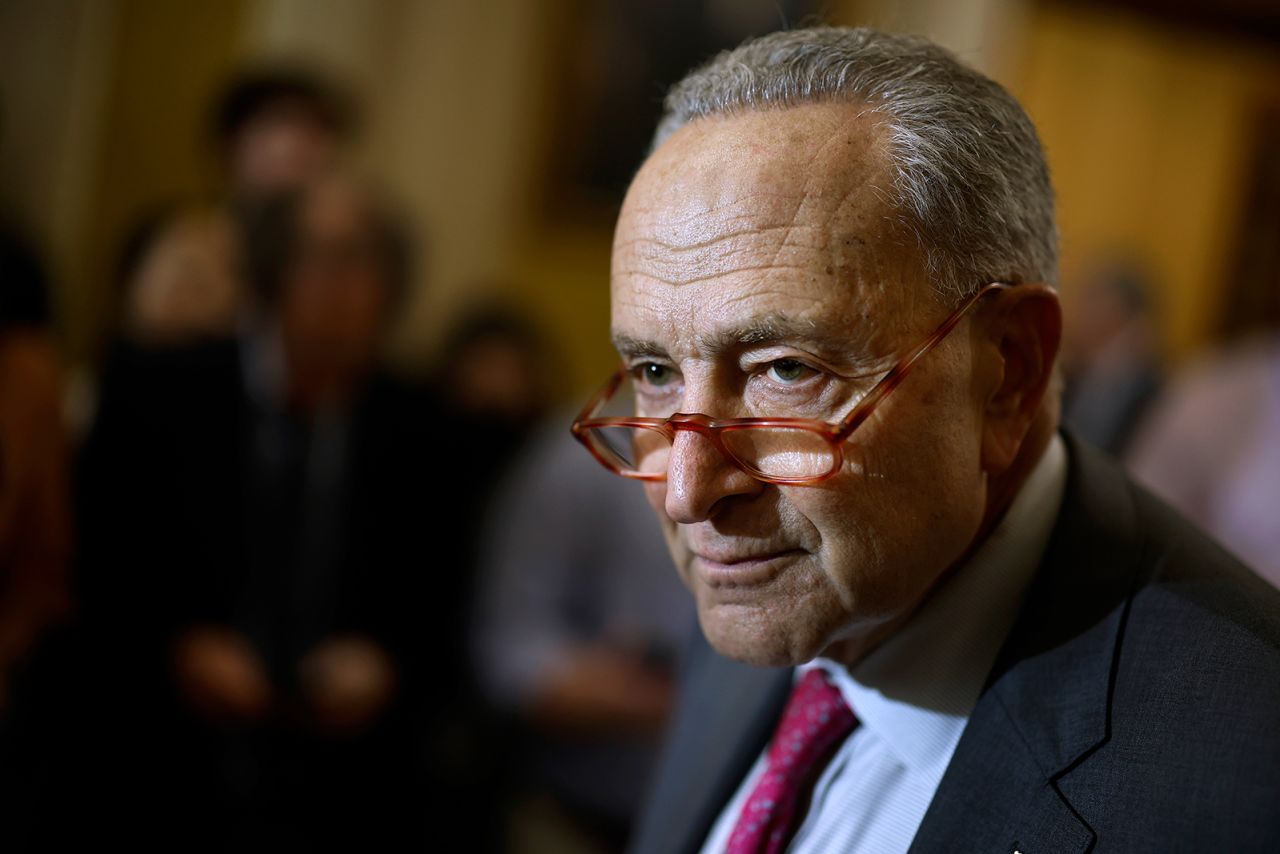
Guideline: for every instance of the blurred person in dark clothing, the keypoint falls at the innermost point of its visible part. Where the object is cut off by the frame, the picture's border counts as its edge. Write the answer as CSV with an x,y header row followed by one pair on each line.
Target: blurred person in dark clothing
x,y
576,637
252,551
35,529
1110,355
494,382
278,128
496,370
1211,447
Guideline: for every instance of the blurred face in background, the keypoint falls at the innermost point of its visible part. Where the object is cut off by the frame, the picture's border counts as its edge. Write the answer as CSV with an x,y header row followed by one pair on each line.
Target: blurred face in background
x,y
336,292
188,282
280,148
496,376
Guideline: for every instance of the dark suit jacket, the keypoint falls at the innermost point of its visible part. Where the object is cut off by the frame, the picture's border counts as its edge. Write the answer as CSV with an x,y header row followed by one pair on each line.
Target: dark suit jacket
x,y
1135,705
184,524
179,518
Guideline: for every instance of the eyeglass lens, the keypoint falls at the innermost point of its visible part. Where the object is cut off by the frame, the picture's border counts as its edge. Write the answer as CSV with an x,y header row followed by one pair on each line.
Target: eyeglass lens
x,y
771,451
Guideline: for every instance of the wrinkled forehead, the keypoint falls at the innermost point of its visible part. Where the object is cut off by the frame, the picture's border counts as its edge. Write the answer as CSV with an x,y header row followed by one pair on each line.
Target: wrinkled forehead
x,y
786,209
830,156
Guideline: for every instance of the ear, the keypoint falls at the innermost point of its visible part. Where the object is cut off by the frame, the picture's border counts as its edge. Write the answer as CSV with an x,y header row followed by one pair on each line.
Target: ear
x,y
1022,329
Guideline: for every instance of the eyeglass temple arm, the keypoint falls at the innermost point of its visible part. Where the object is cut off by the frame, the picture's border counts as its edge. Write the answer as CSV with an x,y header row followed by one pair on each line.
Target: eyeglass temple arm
x,y
599,397
899,372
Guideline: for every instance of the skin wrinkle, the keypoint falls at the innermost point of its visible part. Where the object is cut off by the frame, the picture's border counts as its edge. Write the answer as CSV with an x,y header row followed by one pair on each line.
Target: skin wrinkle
x,y
690,280
720,208
720,290
832,343
676,248
670,256
982,200
862,548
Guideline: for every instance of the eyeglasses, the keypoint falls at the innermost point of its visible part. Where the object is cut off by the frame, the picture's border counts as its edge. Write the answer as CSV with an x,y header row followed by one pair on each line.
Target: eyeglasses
x,y
790,451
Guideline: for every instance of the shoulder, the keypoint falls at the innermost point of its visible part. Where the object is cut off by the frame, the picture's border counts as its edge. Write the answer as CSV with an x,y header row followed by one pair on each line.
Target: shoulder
x,y
1200,649
1197,598
1191,614
172,369
1191,748
147,393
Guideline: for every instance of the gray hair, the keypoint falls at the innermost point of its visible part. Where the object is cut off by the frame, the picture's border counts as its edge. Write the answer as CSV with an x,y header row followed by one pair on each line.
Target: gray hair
x,y
969,176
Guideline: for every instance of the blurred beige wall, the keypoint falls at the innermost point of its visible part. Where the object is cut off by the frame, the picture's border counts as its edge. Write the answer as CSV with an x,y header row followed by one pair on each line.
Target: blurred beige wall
x,y
984,33
1146,128
105,103
53,86
1149,132
453,93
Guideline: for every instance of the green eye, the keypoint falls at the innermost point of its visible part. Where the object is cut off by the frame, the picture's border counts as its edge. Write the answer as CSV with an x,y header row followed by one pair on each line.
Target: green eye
x,y
788,370
655,375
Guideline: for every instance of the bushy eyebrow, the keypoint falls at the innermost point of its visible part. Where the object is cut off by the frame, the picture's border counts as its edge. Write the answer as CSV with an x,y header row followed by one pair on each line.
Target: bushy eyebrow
x,y
632,348
772,328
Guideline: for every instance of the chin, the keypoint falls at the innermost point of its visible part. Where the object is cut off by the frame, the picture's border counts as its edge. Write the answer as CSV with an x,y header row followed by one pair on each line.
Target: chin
x,y
749,639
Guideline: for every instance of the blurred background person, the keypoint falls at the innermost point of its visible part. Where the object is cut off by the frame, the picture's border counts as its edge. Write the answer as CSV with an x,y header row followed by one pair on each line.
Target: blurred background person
x,y
1211,446
276,128
35,519
252,551
495,379
35,522
181,273
273,130
1110,355
494,383
496,376
579,622
181,276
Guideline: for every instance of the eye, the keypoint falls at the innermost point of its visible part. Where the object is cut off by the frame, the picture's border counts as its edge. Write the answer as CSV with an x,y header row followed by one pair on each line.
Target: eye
x,y
653,374
789,371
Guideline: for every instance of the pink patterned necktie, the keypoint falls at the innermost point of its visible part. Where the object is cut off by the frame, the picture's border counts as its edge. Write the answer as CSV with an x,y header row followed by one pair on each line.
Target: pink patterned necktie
x,y
814,722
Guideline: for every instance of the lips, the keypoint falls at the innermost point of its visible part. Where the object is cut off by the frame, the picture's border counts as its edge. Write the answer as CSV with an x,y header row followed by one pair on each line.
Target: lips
x,y
734,568
734,558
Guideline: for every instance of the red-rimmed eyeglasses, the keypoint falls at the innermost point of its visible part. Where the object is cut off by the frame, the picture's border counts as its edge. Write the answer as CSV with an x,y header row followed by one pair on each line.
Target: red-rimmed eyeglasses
x,y
791,451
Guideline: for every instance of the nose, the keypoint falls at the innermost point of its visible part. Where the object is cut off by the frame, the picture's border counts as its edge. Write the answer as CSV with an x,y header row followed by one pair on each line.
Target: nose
x,y
700,477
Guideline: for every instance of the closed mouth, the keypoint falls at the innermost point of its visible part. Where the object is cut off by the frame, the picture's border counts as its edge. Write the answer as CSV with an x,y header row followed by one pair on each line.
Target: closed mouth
x,y
737,569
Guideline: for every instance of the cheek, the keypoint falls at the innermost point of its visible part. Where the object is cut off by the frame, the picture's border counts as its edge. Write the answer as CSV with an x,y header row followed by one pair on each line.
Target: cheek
x,y
656,494
904,507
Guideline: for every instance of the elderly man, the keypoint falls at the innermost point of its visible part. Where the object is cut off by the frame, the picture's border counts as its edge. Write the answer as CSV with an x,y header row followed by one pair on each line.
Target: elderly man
x,y
952,628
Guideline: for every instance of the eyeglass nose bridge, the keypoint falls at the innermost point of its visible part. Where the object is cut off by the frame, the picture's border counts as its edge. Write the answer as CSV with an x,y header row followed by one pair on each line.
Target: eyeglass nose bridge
x,y
696,422
704,425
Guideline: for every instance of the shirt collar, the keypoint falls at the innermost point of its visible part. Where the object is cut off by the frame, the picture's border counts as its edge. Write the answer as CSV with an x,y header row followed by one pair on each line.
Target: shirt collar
x,y
916,690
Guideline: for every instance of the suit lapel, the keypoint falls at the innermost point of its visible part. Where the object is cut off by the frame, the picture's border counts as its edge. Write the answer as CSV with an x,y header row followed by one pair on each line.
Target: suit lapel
x,y
727,715
1046,705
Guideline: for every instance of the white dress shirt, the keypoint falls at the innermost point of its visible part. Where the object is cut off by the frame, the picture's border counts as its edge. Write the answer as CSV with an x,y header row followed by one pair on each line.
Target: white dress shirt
x,y
913,694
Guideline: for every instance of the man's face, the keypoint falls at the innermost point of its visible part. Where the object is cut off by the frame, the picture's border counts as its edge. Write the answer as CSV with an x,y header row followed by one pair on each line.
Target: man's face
x,y
335,294
279,149
757,267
